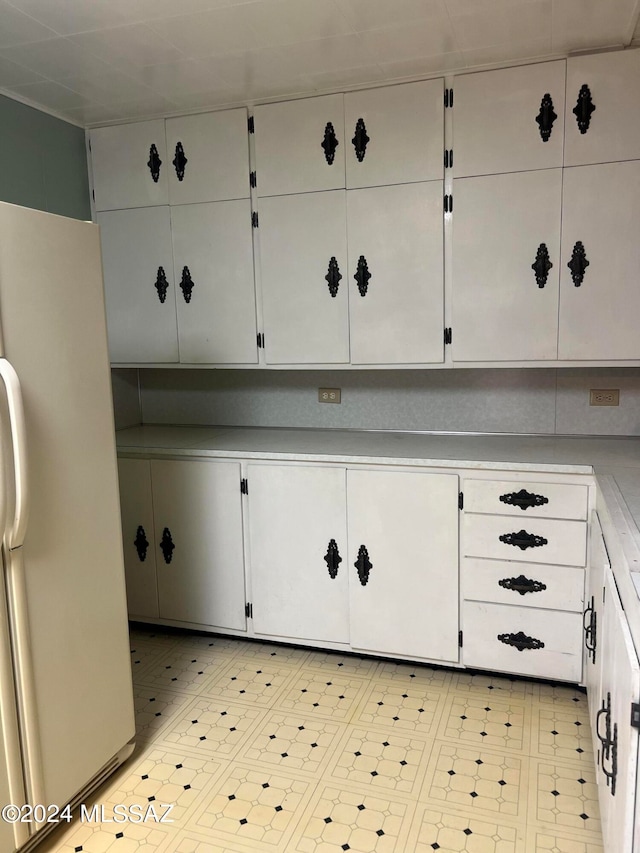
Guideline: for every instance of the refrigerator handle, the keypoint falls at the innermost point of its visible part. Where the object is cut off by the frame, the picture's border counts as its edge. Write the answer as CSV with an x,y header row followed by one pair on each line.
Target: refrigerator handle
x,y
16,528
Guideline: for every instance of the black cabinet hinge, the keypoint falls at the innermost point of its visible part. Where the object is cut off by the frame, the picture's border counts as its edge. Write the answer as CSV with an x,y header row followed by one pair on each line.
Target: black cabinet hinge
x,y
260,340
251,124
460,639
460,500
254,219
248,610
448,335
448,98
448,204
244,486
635,715
448,158
253,180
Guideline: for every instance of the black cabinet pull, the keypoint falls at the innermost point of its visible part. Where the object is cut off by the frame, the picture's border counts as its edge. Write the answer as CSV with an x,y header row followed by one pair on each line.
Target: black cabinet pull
x,y
360,140
333,277
154,162
612,752
166,545
333,559
141,543
578,264
604,711
542,265
523,499
521,641
522,584
546,117
329,143
161,284
179,161
523,540
584,108
363,565
589,625
362,275
186,284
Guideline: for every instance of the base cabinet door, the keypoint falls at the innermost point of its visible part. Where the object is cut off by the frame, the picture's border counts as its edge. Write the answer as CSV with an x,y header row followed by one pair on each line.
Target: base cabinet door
x,y
593,623
199,553
403,563
138,537
298,552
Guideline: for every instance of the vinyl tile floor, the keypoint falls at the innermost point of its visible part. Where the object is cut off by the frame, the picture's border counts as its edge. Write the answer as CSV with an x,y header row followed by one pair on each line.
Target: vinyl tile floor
x,y
261,747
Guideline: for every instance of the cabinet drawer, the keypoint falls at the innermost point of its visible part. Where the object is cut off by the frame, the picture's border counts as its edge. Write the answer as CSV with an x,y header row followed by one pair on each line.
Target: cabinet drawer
x,y
529,541
522,585
525,500
556,634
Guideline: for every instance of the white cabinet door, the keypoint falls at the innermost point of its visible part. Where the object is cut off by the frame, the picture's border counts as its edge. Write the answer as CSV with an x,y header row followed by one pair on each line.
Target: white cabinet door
x,y
617,757
503,310
303,248
607,82
600,303
298,552
215,293
199,552
395,256
290,157
209,156
593,622
394,134
137,263
403,540
130,165
503,120
138,537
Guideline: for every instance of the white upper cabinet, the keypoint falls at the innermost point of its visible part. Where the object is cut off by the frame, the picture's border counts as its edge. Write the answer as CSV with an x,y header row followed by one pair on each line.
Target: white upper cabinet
x,y
396,299
130,165
503,227
208,157
509,120
394,134
137,264
215,294
600,266
603,108
300,146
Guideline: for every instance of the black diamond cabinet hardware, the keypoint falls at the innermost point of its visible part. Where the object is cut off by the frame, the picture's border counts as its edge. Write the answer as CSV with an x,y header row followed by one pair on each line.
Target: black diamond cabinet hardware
x,y
362,275
329,143
141,543
333,277
542,265
584,108
521,641
546,117
578,264
179,161
360,140
604,711
363,565
154,162
523,499
523,540
161,285
522,584
589,624
333,559
186,284
166,545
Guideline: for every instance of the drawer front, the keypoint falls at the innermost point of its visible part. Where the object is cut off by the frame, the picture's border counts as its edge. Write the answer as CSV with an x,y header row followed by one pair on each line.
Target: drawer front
x,y
523,585
525,500
497,537
556,635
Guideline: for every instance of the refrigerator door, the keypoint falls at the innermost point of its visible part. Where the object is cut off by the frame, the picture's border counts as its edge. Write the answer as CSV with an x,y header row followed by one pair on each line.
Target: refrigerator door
x,y
65,585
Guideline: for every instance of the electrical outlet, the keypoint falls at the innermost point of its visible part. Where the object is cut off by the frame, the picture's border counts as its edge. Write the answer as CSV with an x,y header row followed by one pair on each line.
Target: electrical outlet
x,y
604,397
328,395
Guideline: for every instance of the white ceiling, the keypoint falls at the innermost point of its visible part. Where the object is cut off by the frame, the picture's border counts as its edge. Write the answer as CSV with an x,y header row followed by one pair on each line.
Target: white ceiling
x,y
95,61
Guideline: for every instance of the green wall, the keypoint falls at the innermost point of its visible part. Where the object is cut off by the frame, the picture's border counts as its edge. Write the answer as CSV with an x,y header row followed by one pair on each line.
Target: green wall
x,y
43,162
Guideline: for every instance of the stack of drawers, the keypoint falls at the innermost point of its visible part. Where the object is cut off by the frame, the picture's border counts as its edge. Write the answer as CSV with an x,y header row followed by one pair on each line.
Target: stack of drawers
x,y
524,548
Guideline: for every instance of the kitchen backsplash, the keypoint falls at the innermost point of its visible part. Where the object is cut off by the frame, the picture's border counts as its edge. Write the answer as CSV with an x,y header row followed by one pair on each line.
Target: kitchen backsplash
x,y
480,400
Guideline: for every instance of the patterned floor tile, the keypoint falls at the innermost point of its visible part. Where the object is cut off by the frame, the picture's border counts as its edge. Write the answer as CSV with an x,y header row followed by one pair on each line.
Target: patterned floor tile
x,y
415,708
215,644
190,842
560,694
542,841
322,694
144,654
358,821
255,681
390,760
565,796
454,832
293,742
489,685
155,709
184,670
413,674
213,726
274,653
472,719
107,838
341,664
562,732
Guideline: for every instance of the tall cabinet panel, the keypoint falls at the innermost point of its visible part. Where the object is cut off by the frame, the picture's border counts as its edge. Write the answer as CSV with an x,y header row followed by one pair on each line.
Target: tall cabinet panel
x,y
137,264
395,274
130,165
403,536
215,294
298,552
506,264
599,297
305,278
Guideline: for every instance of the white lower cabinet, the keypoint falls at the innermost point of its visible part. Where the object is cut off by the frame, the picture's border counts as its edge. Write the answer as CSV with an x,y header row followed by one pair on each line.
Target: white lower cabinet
x,y
138,538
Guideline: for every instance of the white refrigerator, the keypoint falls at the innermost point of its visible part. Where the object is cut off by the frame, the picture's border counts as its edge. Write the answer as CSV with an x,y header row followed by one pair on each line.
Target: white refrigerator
x,y
66,704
